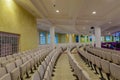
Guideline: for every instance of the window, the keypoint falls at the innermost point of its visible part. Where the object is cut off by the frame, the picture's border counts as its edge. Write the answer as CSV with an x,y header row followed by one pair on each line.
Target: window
x,y
9,43
102,39
82,38
90,37
77,38
116,36
42,38
108,39
48,38
56,38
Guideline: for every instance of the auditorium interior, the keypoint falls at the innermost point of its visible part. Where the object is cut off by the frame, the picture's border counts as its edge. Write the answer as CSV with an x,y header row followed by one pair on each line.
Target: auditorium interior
x,y
60,40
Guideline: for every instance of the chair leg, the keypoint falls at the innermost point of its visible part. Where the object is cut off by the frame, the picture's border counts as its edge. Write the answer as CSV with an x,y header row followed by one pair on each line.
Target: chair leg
x,y
53,70
32,71
72,70
96,72
27,75
91,66
108,76
35,67
102,78
21,78
88,63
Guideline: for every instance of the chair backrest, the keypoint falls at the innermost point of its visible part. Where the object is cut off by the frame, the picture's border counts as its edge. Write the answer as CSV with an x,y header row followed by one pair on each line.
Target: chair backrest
x,y
24,59
15,55
36,76
97,62
44,65
15,74
115,71
23,69
78,72
2,71
10,66
92,58
46,77
32,55
2,59
18,62
115,58
103,55
47,59
9,57
6,77
85,76
105,65
28,57
109,56
3,63
41,71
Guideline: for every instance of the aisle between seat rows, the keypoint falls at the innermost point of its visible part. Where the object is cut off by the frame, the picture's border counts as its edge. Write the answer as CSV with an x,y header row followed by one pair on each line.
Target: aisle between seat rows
x,y
63,70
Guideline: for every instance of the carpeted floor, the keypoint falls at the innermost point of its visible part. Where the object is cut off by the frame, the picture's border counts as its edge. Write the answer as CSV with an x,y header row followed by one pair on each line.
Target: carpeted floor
x,y
63,70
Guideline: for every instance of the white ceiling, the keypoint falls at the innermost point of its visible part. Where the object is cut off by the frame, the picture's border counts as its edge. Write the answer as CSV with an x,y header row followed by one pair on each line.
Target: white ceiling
x,y
75,15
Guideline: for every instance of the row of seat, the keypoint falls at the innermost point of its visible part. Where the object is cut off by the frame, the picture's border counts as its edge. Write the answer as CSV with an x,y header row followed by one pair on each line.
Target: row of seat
x,y
111,70
111,57
13,57
109,50
44,71
79,72
106,50
23,65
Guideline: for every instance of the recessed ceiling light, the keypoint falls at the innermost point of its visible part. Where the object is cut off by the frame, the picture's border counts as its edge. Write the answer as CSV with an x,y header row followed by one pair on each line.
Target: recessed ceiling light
x,y
87,21
84,28
110,22
94,12
57,11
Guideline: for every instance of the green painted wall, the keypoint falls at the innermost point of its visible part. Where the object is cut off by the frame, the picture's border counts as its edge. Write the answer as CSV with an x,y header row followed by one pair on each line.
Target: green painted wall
x,y
15,19
61,38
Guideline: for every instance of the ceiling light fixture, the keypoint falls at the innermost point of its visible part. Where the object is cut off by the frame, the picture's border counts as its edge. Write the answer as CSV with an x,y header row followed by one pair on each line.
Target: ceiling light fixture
x,y
94,12
84,28
86,21
57,11
110,22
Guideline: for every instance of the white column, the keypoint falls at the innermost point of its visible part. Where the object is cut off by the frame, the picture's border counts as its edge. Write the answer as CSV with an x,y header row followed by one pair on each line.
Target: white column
x,y
93,40
98,36
52,36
